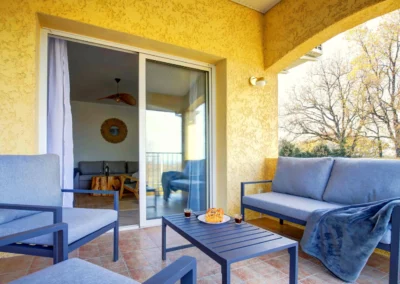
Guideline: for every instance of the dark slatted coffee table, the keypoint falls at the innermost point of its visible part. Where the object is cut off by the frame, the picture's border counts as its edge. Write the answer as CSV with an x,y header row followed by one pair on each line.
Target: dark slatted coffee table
x,y
228,243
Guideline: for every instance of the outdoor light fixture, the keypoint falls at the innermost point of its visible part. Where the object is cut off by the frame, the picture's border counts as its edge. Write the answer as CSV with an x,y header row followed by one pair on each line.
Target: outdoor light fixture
x,y
260,81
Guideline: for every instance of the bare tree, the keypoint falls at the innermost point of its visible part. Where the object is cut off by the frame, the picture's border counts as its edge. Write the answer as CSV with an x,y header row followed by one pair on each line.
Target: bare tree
x,y
377,65
328,105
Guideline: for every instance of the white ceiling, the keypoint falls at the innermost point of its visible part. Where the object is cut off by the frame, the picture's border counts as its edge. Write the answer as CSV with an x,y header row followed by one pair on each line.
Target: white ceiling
x,y
93,69
259,5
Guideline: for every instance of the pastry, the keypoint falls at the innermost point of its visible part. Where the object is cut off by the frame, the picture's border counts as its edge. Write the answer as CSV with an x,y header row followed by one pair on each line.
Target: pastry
x,y
215,215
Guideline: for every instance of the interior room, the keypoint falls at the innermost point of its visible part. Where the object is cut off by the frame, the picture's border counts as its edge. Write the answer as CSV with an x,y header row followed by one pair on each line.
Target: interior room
x,y
106,132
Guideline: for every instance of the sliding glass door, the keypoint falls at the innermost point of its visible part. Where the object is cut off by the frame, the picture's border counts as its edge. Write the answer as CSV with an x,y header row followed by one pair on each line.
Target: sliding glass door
x,y
174,137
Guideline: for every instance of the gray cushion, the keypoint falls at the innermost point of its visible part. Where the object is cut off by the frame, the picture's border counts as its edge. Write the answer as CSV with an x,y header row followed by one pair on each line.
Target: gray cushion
x,y
74,271
306,177
132,167
288,205
86,177
91,168
31,180
118,167
81,222
355,181
186,184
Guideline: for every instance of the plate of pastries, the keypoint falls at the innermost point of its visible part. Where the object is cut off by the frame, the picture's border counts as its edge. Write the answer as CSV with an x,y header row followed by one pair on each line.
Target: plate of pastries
x,y
214,216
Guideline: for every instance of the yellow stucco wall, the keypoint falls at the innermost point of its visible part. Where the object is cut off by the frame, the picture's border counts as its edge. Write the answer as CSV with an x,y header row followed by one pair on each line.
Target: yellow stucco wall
x,y
244,41
293,27
216,27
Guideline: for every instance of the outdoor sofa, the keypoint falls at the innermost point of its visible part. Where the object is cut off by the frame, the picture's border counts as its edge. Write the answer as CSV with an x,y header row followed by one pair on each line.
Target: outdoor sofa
x,y
31,197
302,185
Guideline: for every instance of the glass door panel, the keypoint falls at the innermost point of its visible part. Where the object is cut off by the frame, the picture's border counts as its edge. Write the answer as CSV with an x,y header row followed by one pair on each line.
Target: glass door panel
x,y
176,144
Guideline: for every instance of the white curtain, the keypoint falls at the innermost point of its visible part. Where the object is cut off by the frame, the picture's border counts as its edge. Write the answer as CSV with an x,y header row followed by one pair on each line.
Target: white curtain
x,y
59,117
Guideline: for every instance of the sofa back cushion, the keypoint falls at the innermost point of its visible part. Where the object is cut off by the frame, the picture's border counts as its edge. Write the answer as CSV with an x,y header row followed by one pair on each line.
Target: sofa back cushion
x,y
91,168
355,181
132,167
306,177
116,167
30,180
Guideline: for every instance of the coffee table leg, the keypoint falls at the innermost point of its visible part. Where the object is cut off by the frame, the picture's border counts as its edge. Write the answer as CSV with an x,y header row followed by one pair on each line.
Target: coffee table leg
x,y
293,265
226,273
164,241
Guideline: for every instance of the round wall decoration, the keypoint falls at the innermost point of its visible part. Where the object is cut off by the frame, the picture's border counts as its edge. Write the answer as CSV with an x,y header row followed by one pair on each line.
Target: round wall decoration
x,y
114,130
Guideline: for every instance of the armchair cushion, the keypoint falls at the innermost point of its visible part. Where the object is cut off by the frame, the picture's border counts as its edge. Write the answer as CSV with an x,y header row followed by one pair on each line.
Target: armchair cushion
x,y
118,167
74,271
30,180
91,168
302,176
81,222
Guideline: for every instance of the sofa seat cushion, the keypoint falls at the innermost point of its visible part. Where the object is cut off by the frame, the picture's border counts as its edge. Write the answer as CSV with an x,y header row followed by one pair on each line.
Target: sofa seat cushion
x,y
186,184
74,271
302,176
86,177
132,167
287,205
356,181
81,222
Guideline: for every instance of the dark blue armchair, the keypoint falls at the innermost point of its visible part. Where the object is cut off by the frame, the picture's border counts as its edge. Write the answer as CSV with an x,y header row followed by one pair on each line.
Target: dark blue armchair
x,y
79,271
191,180
31,197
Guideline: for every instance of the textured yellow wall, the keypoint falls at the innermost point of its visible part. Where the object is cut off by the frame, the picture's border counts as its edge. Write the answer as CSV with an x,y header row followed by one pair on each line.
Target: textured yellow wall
x,y
293,27
217,27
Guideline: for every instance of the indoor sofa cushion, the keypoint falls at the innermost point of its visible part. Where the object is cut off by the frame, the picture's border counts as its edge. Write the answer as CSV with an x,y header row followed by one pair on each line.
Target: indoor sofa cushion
x,y
132,167
288,205
81,222
306,177
74,271
30,180
91,168
355,181
116,167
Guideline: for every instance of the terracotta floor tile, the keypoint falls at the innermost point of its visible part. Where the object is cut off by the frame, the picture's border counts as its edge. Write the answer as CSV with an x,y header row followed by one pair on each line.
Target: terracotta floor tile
x,y
5,278
142,274
140,258
15,264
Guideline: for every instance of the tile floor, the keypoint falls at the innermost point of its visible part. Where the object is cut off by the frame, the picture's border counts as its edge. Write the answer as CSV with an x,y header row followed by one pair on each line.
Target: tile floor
x,y
140,258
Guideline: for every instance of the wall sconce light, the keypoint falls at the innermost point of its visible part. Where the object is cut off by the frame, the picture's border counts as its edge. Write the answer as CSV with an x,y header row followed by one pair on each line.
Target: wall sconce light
x,y
258,81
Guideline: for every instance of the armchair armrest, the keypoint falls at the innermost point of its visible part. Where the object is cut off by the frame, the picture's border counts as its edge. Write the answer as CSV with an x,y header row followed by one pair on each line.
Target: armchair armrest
x,y
87,191
60,231
183,269
56,210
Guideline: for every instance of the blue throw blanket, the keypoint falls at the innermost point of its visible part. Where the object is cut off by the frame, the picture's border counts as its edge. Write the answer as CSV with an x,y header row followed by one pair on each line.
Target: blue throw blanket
x,y
166,179
343,239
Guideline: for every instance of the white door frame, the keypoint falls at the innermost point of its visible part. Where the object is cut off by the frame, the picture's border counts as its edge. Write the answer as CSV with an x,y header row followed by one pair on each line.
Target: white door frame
x,y
144,54
142,132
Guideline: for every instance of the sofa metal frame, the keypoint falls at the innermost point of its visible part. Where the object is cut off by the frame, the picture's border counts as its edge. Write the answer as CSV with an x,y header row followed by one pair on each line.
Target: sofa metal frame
x,y
60,244
393,247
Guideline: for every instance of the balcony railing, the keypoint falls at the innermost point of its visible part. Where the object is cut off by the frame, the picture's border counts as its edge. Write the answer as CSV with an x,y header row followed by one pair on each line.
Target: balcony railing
x,y
159,162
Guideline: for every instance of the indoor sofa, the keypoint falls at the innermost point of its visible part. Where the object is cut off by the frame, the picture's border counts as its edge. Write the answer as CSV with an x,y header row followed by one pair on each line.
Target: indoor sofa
x,y
303,185
87,169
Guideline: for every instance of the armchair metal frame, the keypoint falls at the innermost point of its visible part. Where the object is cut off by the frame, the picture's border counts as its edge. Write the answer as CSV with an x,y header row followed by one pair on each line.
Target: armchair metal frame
x,y
393,247
60,244
183,269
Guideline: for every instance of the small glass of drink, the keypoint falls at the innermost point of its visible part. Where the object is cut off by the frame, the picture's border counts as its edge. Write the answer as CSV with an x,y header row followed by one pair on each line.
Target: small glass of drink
x,y
238,219
188,212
